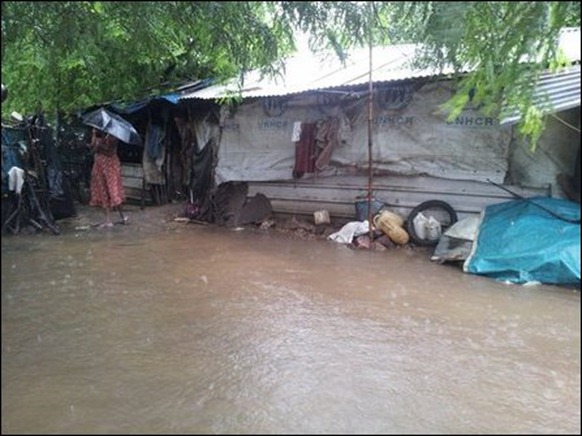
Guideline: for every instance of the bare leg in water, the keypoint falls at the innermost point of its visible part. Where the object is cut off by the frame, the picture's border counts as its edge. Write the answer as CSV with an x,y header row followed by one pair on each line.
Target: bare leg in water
x,y
107,222
121,215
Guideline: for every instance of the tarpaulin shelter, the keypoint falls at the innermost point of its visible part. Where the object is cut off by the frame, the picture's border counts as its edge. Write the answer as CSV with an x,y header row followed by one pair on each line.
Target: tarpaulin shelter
x,y
302,139
528,240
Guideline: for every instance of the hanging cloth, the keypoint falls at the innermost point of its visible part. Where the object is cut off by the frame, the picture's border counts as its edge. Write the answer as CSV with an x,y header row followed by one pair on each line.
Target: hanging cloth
x,y
305,151
153,140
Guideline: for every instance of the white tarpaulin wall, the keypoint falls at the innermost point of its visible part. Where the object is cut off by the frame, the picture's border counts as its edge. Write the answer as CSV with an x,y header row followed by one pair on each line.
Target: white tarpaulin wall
x,y
409,136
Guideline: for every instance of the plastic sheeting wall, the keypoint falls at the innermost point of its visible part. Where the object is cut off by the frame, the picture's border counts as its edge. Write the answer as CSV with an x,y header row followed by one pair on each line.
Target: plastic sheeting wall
x,y
409,136
554,154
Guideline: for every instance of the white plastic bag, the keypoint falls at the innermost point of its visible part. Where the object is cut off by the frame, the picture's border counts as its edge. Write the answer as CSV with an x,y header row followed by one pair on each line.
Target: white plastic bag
x,y
347,233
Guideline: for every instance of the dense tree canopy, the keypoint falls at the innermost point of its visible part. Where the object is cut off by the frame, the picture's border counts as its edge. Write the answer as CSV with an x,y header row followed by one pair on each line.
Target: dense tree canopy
x,y
62,55
68,55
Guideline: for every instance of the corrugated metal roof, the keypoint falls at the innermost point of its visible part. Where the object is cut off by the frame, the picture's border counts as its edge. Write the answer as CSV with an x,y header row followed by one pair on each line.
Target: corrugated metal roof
x,y
308,72
554,92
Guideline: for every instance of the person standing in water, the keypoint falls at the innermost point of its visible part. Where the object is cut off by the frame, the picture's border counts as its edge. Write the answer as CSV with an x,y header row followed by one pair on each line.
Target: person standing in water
x,y
106,185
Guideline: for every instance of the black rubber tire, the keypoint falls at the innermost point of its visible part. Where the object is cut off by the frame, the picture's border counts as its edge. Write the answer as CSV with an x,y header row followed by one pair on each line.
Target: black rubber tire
x,y
430,204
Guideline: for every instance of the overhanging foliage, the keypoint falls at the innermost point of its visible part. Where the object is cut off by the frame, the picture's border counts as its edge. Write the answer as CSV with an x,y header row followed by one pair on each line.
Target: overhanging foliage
x,y
68,55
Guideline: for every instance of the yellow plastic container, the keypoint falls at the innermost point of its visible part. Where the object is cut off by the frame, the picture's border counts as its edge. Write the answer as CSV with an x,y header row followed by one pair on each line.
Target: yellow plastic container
x,y
391,225
390,218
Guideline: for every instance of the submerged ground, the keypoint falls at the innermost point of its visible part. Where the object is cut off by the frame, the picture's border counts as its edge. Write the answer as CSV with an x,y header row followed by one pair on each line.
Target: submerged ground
x,y
162,326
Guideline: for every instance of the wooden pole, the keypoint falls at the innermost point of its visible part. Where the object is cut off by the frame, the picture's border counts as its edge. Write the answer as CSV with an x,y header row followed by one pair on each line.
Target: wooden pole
x,y
370,100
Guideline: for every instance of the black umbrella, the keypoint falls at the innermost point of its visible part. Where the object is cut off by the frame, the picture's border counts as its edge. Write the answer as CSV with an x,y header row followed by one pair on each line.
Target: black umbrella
x,y
113,124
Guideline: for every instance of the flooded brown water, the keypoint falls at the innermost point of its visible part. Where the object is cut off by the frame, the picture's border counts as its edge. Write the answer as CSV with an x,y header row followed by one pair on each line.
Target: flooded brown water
x,y
198,329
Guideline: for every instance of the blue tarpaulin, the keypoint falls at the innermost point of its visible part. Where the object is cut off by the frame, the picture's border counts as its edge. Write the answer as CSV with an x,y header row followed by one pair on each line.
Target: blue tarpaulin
x,y
528,240
172,97
137,106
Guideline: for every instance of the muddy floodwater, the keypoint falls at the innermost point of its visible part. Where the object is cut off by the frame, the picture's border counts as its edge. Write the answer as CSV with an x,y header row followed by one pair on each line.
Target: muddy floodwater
x,y
200,329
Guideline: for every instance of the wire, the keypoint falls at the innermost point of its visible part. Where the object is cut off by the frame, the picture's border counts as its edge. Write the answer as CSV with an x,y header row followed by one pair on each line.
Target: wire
x,y
566,123
551,212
